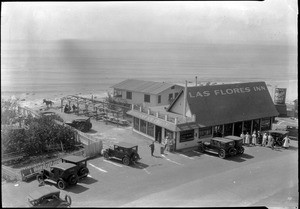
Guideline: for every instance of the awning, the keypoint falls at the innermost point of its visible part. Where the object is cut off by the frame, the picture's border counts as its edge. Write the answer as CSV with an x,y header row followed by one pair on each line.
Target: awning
x,y
229,103
189,126
152,119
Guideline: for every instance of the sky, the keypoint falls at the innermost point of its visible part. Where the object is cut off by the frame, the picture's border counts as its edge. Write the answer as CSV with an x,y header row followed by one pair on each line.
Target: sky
x,y
245,22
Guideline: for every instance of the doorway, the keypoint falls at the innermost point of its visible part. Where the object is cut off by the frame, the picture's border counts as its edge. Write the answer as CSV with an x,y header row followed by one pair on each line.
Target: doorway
x,y
158,131
238,128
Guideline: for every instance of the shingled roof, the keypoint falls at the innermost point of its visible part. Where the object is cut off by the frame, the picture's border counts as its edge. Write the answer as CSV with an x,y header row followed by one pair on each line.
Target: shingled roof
x,y
149,87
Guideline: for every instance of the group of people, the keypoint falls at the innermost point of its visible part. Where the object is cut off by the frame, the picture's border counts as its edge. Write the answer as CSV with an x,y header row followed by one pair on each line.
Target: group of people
x,y
265,140
168,144
67,108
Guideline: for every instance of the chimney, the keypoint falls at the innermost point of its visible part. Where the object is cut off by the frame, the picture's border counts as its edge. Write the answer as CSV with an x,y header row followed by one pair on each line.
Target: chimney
x,y
184,100
196,81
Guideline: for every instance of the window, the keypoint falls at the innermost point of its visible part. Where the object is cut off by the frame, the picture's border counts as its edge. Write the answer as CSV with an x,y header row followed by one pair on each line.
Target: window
x,y
147,98
150,129
186,135
228,129
204,132
143,126
128,95
256,124
265,124
170,97
136,123
247,126
176,94
173,87
218,131
159,99
169,133
117,93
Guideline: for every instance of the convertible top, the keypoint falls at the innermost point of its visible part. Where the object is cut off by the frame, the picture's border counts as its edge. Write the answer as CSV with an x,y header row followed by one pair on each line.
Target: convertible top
x,y
74,158
125,145
233,137
43,191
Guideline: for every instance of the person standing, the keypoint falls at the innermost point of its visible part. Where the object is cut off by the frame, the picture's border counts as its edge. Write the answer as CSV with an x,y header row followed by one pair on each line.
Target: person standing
x,y
254,139
152,148
247,140
243,137
286,142
264,140
270,141
259,138
166,142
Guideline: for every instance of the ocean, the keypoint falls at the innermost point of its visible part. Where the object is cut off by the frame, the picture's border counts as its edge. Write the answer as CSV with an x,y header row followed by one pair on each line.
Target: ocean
x,y
92,67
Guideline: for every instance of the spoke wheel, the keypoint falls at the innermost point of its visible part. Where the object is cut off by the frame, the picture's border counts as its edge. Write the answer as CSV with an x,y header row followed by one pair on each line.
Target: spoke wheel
x,y
222,154
126,160
61,184
241,150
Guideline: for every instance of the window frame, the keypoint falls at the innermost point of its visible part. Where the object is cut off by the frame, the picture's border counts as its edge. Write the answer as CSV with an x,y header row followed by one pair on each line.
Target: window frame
x,y
145,98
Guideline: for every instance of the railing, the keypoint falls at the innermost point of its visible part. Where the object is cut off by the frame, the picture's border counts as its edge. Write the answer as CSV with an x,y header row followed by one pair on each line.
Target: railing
x,y
163,116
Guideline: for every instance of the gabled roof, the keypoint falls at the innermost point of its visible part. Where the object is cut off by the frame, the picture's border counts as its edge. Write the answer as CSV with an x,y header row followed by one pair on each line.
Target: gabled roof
x,y
149,87
228,103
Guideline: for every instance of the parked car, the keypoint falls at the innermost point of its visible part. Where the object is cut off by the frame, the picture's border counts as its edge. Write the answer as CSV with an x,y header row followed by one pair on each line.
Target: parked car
x,y
238,145
278,136
127,152
80,162
63,174
48,196
83,125
293,131
221,146
52,115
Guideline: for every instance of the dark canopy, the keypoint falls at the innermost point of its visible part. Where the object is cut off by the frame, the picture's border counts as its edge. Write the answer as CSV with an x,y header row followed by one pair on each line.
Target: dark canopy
x,y
228,103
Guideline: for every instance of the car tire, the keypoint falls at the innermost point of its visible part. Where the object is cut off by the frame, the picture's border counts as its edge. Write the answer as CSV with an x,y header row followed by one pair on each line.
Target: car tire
x,y
105,155
68,199
232,151
39,178
126,160
241,150
84,172
201,148
73,179
222,153
61,184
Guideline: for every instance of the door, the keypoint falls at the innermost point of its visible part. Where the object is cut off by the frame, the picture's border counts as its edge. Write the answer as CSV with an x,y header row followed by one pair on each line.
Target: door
x,y
158,132
238,128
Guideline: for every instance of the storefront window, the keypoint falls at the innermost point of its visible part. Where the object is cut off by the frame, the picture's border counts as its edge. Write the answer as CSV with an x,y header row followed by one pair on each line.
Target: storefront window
x,y
265,124
256,125
204,132
218,131
228,129
247,126
150,129
186,135
168,132
136,123
143,126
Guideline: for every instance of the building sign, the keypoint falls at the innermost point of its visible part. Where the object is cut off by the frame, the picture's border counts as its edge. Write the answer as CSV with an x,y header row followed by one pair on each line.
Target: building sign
x,y
280,94
228,91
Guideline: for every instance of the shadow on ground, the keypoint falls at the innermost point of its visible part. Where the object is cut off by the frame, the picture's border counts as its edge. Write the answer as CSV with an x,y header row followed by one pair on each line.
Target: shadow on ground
x,y
87,180
77,189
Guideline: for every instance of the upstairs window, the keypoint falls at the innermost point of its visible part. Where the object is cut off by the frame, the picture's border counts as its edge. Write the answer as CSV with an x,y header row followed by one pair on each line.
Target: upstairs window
x,y
170,97
159,99
128,95
147,98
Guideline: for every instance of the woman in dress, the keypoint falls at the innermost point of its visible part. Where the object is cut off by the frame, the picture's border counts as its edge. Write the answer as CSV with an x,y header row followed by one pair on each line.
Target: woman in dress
x,y
286,142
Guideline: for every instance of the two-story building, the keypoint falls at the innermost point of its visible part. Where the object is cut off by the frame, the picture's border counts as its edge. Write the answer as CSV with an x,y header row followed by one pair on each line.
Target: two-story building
x,y
203,112
146,93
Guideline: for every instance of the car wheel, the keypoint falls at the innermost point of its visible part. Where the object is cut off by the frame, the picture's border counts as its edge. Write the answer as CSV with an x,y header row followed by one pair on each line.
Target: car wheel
x,y
241,150
126,160
232,151
73,179
68,199
83,172
39,178
105,155
61,184
222,154
201,148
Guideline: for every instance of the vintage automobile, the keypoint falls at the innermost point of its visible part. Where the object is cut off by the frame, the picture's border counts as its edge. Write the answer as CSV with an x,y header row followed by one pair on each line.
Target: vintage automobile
x,y
127,152
221,146
47,196
238,143
293,131
62,174
52,115
80,162
83,125
278,136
